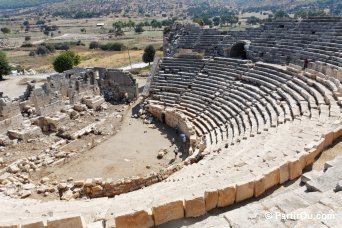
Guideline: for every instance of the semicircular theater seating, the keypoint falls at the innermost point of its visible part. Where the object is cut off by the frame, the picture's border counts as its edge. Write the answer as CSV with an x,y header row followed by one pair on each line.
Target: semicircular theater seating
x,y
229,100
263,123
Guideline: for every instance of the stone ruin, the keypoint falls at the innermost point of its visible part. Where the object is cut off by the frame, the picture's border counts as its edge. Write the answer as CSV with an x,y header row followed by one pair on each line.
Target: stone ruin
x,y
117,85
39,109
255,124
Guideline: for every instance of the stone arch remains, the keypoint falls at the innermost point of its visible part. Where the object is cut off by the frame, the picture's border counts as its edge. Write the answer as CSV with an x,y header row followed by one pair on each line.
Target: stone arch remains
x,y
239,50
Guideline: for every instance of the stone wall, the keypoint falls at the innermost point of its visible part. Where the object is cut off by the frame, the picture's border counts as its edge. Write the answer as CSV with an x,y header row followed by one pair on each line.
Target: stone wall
x,y
10,116
175,119
117,85
97,187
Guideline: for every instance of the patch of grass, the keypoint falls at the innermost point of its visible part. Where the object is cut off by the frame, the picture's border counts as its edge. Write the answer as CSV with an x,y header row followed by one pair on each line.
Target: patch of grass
x,y
142,70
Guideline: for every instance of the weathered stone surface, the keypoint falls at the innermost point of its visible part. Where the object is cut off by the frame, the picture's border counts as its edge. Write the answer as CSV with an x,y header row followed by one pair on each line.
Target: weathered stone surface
x,y
211,199
9,226
259,186
70,222
167,212
295,168
244,190
226,196
272,178
194,207
284,172
33,225
329,138
136,219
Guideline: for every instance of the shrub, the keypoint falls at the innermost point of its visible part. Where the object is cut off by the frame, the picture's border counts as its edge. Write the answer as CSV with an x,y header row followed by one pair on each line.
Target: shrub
x,y
62,46
66,61
32,53
27,38
94,45
149,54
27,45
42,50
112,47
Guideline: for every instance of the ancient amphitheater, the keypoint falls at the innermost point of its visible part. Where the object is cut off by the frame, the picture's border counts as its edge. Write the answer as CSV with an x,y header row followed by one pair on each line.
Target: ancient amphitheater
x,y
258,108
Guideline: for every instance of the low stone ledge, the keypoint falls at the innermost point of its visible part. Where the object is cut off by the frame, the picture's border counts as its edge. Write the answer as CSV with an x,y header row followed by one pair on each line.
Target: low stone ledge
x,y
168,212
75,221
295,168
39,224
194,207
259,186
244,190
211,199
137,219
226,196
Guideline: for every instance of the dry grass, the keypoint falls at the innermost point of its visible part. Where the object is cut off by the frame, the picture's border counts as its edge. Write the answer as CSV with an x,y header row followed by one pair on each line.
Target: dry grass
x,y
109,59
90,58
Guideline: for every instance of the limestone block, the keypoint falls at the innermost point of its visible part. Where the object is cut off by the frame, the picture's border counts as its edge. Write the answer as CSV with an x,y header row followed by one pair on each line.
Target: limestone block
x,y
33,225
211,199
329,138
9,226
295,168
259,186
167,212
70,222
272,178
302,159
194,207
310,156
244,190
136,219
320,145
337,132
226,196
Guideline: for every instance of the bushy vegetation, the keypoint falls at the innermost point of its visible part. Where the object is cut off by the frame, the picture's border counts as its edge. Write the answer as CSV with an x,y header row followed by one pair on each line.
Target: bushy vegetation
x,y
94,45
4,65
149,54
66,61
112,47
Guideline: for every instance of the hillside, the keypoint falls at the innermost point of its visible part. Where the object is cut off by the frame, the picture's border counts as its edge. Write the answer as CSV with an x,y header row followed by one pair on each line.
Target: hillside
x,y
14,4
157,8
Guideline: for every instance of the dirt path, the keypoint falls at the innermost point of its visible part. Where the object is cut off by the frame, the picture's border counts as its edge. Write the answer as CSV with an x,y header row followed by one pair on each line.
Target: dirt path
x,y
14,87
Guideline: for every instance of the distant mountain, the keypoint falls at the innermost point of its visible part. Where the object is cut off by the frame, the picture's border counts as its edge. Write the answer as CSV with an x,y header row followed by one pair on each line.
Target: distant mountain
x,y
169,8
15,4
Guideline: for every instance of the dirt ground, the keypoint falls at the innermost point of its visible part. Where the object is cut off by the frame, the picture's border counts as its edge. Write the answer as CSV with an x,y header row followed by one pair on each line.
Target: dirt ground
x,y
329,154
15,86
132,151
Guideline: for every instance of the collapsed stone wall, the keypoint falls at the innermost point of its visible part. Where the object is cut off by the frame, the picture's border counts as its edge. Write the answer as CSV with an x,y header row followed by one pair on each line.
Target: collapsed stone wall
x,y
175,120
10,116
97,187
117,85
78,87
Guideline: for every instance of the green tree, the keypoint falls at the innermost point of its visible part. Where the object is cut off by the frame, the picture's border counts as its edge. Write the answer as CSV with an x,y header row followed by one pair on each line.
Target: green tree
x,y
130,24
280,14
94,45
46,32
139,28
66,61
118,25
5,30
216,21
4,65
149,54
